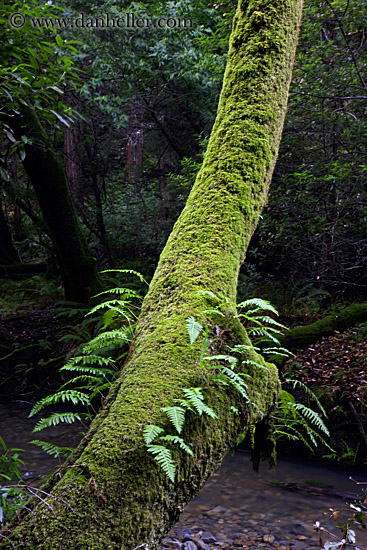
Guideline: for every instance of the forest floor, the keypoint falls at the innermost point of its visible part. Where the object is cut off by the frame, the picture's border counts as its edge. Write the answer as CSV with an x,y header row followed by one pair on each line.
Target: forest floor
x,y
335,369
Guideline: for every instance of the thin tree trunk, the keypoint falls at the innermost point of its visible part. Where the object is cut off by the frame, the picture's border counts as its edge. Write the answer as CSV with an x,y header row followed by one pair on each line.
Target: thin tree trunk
x,y
47,175
120,498
8,252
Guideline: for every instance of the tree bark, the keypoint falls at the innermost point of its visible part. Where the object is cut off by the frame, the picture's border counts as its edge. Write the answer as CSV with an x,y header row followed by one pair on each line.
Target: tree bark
x,y
118,495
47,175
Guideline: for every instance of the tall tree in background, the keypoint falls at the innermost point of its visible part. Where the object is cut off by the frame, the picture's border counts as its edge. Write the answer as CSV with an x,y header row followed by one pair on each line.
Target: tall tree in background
x,y
112,495
34,66
47,175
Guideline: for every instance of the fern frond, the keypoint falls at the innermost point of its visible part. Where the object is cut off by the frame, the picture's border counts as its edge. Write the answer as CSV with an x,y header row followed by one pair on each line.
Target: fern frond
x,y
57,418
309,392
241,348
124,292
208,293
213,311
82,363
259,304
179,441
73,396
163,457
91,381
193,328
196,399
231,360
235,380
150,432
100,389
117,337
52,449
281,352
129,271
110,304
176,416
312,416
286,404
254,364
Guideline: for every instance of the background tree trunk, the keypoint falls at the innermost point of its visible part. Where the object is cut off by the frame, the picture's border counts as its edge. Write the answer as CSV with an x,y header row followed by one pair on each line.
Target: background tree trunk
x,y
47,175
117,497
8,252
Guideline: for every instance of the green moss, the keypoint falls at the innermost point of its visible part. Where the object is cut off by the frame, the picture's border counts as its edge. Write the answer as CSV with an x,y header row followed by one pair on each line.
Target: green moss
x,y
303,336
119,496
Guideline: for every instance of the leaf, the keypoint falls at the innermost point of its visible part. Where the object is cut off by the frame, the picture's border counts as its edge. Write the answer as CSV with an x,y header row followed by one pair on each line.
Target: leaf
x,y
231,360
259,304
55,419
52,449
150,432
163,457
61,119
179,441
176,416
59,41
196,399
193,328
76,397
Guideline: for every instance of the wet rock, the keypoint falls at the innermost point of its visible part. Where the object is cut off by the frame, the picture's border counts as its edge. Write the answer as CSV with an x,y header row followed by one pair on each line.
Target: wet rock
x,y
190,545
201,545
186,536
208,537
269,538
217,511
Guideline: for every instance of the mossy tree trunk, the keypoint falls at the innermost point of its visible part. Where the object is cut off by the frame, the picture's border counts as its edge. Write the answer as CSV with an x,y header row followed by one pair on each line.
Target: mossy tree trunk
x,y
47,176
117,497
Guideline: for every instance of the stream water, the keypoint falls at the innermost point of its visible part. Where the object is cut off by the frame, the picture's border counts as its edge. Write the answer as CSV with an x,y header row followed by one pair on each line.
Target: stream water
x,y
236,508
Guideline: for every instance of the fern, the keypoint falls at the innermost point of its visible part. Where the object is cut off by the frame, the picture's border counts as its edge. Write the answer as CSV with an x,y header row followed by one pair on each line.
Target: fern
x,y
57,418
179,441
123,292
150,432
73,396
83,362
52,449
113,337
163,457
259,305
312,416
110,304
128,271
208,293
235,380
196,400
309,392
176,416
231,360
194,328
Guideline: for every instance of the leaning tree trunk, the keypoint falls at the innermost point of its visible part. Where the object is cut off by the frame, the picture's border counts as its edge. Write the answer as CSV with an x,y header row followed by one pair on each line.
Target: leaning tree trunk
x,y
114,495
47,175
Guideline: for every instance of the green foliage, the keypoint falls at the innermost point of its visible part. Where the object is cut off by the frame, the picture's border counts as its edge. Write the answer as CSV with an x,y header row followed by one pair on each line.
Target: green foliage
x,y
176,416
93,372
51,449
35,65
314,224
193,402
11,495
163,457
297,422
194,328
